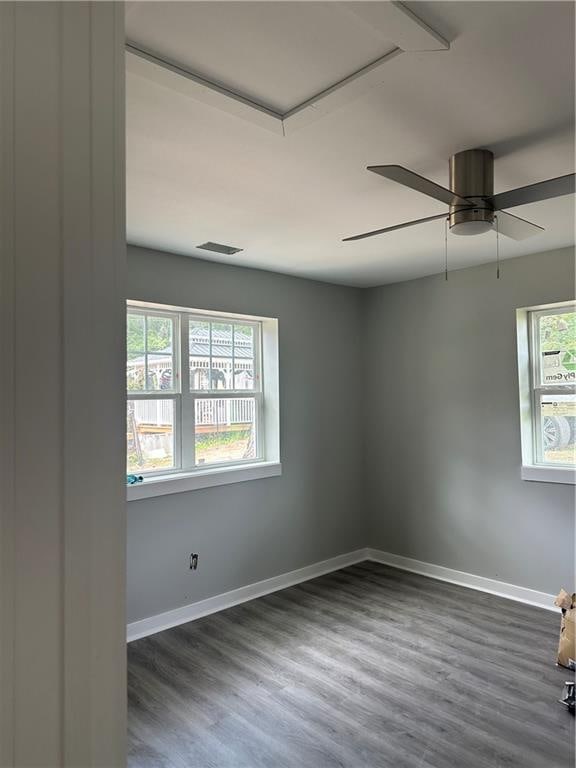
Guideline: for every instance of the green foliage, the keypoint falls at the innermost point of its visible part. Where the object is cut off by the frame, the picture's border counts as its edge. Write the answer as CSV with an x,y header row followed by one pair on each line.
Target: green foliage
x,y
222,439
147,334
558,332
245,331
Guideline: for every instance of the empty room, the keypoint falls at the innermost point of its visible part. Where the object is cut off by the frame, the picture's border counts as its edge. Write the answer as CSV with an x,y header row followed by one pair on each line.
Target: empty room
x,y
288,384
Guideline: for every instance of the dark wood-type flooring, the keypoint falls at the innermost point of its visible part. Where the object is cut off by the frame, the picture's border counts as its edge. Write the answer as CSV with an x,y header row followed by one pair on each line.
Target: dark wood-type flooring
x,y
367,667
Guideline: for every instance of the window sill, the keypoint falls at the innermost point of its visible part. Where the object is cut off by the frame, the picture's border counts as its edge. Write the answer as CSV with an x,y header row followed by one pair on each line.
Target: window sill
x,y
192,481
549,474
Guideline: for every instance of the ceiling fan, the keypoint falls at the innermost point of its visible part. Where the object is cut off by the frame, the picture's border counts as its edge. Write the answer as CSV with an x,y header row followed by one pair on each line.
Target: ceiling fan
x,y
473,206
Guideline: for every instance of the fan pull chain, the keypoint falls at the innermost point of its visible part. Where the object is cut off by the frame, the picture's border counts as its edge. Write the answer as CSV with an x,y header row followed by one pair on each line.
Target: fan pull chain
x,y
497,250
446,248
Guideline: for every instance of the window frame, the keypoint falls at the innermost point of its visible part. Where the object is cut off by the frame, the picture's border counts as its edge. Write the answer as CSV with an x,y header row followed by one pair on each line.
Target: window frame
x,y
531,389
162,394
184,398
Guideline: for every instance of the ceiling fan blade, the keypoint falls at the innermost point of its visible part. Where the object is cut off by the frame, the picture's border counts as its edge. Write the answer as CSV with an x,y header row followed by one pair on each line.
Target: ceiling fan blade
x,y
396,226
515,227
419,183
543,190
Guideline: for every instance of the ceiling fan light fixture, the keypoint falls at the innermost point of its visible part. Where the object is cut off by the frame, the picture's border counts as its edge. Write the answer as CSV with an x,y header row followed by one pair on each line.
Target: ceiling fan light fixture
x,y
471,228
473,221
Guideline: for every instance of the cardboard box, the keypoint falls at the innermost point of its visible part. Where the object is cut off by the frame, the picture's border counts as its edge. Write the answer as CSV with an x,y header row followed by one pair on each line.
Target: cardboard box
x,y
567,643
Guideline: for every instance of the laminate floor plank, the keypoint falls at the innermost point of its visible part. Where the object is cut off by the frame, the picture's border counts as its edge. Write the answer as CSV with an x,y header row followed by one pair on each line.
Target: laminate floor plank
x,y
367,667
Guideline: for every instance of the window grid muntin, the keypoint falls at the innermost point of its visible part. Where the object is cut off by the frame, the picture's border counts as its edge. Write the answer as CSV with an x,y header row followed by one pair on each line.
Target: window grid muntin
x,y
174,318
257,344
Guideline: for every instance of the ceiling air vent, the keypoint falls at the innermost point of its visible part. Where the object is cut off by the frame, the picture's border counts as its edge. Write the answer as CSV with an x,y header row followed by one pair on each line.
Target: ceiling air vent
x,y
219,248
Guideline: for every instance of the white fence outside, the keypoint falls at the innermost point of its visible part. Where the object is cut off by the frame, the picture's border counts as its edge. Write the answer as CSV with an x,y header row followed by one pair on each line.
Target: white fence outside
x,y
226,410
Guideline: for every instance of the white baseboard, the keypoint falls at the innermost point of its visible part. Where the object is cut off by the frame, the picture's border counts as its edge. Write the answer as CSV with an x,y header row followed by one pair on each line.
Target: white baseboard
x,y
470,580
161,621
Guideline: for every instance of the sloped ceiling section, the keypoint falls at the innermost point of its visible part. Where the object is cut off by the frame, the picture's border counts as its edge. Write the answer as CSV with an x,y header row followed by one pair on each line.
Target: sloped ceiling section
x,y
336,52
252,123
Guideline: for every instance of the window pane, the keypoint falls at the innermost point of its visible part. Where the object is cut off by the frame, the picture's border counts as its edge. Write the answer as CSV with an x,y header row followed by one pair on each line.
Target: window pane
x,y
199,346
135,373
225,429
221,356
150,435
150,359
221,368
243,357
557,339
135,347
135,334
558,428
159,334
159,373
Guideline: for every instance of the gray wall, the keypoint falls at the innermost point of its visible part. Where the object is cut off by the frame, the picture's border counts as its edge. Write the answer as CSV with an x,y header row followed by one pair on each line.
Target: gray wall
x,y
442,468
426,463
253,530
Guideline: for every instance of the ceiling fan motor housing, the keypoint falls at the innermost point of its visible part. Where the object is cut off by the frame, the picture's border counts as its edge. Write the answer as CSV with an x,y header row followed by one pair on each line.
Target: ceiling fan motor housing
x,y
472,177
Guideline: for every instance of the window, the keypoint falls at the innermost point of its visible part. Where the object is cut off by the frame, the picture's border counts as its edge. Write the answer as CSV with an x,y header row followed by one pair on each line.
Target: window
x,y
198,395
547,366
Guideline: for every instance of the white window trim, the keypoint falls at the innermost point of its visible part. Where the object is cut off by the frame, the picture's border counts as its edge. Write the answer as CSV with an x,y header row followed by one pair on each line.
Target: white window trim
x,y
563,475
268,465
531,469
179,482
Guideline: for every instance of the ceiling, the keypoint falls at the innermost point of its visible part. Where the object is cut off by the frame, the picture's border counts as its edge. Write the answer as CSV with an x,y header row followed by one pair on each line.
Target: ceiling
x,y
200,171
